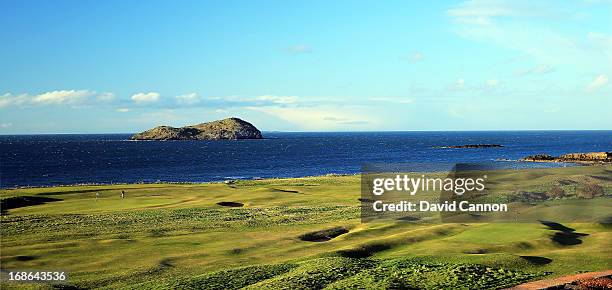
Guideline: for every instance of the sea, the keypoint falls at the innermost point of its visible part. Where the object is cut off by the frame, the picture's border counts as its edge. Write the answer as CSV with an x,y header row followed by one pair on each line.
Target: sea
x,y
66,159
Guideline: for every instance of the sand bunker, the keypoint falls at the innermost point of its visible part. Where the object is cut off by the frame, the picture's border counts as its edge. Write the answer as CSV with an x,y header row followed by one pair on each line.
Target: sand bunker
x,y
564,236
230,204
324,235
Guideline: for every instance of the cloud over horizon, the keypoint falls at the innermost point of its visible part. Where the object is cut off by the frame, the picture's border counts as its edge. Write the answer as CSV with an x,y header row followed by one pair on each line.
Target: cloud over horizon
x,y
597,83
149,97
58,97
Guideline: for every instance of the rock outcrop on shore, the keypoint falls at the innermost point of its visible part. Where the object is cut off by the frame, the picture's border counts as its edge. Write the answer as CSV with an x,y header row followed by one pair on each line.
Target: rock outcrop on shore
x,y
589,157
230,128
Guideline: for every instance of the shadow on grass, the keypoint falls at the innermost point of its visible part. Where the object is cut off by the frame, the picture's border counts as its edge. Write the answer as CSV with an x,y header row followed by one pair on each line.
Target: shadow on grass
x,y
556,226
477,251
603,178
606,222
285,190
364,251
409,219
536,260
23,201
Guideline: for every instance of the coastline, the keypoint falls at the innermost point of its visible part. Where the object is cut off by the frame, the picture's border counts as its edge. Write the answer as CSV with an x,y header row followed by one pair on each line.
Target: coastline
x,y
570,164
232,180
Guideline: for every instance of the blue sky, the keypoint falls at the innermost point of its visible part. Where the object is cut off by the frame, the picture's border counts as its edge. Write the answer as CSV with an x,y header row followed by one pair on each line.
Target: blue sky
x,y
125,66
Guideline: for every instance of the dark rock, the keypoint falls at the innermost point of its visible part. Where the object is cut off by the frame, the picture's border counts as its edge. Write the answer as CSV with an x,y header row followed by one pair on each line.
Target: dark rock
x,y
539,157
230,128
589,157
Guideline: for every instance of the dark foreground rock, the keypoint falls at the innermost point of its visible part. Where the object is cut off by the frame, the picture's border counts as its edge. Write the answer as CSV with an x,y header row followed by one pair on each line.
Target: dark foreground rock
x,y
589,157
230,128
473,146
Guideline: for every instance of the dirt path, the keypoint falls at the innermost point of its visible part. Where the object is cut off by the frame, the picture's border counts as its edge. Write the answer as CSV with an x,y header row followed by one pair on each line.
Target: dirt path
x,y
543,284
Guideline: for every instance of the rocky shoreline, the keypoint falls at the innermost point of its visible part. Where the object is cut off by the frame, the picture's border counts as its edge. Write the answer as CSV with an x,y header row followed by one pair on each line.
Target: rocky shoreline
x,y
588,158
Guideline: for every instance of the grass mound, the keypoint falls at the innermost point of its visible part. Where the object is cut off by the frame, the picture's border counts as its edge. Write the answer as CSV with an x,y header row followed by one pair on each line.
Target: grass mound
x,y
358,273
416,274
316,273
176,236
233,278
364,251
195,219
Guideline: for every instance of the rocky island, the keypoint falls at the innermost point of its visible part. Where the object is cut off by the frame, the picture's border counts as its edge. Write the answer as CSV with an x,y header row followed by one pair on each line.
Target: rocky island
x,y
230,129
589,157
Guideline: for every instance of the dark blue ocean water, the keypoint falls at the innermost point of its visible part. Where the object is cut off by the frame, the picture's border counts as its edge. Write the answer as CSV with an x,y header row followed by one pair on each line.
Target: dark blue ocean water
x,y
37,160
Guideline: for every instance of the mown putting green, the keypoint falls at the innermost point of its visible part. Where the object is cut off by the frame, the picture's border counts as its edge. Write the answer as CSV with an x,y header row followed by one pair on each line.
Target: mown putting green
x,y
284,233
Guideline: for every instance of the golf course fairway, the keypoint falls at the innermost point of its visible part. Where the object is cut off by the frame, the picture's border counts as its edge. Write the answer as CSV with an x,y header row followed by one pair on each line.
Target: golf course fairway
x,y
298,233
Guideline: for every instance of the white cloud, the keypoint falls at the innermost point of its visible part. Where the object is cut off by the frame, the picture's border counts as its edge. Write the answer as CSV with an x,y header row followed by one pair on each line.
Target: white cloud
x,y
8,100
123,110
417,56
539,69
188,99
264,100
600,39
105,97
479,12
278,99
597,83
299,48
483,12
458,85
552,110
6,125
602,42
530,27
492,83
317,118
62,97
59,97
392,100
149,97
414,57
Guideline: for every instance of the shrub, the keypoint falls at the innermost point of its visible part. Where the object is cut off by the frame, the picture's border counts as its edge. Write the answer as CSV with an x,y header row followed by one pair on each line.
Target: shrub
x,y
590,190
556,192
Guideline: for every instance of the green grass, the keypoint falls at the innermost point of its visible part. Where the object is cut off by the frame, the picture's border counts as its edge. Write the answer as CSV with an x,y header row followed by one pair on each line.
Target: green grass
x,y
176,236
